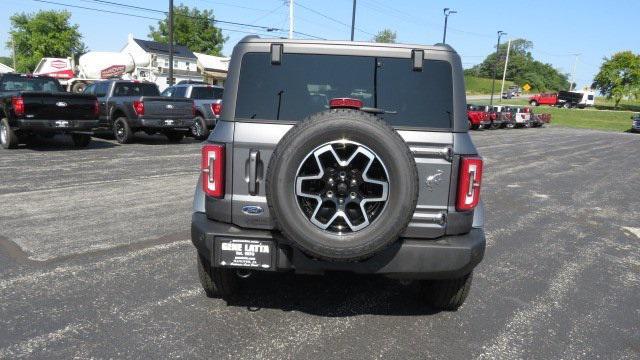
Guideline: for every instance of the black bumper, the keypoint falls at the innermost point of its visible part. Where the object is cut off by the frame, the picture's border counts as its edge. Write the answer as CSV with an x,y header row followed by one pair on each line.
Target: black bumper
x,y
55,125
177,124
443,258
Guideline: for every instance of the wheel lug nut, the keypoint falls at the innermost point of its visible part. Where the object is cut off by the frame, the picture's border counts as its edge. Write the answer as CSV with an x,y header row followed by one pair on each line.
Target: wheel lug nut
x,y
329,193
353,195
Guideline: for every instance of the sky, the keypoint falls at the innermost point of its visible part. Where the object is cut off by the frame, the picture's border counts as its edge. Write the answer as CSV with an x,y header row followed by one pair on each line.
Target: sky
x,y
593,29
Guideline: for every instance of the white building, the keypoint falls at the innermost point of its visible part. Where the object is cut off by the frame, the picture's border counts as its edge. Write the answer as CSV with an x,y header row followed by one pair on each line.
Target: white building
x,y
5,69
156,56
213,68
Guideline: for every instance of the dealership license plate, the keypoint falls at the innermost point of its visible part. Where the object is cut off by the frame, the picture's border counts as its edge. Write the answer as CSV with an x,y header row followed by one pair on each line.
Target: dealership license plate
x,y
253,254
169,122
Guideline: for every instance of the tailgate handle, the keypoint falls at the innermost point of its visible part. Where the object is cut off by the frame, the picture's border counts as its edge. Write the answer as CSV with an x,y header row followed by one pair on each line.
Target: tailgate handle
x,y
254,158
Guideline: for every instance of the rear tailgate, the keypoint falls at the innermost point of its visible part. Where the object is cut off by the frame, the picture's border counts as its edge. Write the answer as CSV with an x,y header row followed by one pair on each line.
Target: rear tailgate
x,y
58,106
161,107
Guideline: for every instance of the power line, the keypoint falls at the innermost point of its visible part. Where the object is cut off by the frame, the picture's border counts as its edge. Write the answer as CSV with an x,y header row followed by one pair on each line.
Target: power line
x,y
331,18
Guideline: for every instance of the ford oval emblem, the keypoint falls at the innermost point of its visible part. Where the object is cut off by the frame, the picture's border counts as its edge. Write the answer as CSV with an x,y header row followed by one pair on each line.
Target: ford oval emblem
x,y
61,104
252,210
169,106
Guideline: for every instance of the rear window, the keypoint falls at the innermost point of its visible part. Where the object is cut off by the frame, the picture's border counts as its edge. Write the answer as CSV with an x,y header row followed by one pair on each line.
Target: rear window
x,y
205,92
136,89
304,84
26,83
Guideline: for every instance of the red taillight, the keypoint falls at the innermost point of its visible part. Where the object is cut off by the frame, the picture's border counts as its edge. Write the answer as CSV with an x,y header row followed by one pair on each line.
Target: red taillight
x,y
212,167
138,107
345,103
96,108
17,103
469,183
216,109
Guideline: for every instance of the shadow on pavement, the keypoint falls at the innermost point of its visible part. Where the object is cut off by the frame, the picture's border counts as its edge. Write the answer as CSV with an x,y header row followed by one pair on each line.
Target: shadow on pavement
x,y
332,295
61,143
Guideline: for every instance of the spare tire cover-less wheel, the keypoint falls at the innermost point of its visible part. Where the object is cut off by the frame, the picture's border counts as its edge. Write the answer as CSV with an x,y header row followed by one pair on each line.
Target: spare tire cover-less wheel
x,y
342,185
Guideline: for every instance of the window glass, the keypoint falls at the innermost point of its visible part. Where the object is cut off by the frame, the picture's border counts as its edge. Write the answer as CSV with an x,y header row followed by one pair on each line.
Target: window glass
x,y
28,83
90,90
136,89
304,84
101,89
179,91
206,92
168,92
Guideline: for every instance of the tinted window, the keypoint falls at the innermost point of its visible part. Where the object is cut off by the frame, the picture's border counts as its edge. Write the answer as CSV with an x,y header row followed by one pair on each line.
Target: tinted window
x,y
25,83
179,91
304,84
101,89
91,89
206,92
168,92
136,89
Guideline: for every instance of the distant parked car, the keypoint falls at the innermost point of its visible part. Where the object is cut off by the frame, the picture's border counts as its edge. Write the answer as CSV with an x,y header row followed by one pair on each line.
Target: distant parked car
x,y
521,117
566,99
496,121
635,123
477,117
504,115
207,100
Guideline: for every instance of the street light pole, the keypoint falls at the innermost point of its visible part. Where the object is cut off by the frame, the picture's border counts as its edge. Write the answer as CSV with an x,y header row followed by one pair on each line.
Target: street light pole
x,y
447,12
506,62
573,71
170,42
495,67
353,19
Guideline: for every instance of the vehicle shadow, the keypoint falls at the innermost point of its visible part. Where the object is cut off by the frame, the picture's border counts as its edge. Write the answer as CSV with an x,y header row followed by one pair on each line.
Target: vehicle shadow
x,y
61,143
331,295
145,139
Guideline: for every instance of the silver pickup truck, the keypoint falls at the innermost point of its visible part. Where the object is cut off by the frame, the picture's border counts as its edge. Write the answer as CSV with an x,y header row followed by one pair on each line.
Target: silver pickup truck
x,y
207,100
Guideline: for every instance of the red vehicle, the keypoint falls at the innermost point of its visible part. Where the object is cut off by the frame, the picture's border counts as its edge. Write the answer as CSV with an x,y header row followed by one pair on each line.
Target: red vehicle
x,y
543,99
477,117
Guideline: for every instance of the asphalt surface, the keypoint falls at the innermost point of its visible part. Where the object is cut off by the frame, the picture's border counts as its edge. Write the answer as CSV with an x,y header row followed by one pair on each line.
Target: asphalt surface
x,y
96,262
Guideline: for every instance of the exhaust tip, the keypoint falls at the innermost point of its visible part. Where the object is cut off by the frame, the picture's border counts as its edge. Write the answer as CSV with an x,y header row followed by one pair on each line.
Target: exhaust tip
x,y
244,273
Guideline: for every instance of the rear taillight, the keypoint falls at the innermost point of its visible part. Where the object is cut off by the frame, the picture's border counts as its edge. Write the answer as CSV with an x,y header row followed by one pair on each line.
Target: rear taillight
x,y
17,103
96,109
212,167
216,109
138,107
345,103
469,183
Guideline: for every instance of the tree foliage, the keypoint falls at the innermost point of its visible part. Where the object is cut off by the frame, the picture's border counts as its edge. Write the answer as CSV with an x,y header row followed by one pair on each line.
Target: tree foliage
x,y
6,61
522,68
385,36
44,34
619,76
192,28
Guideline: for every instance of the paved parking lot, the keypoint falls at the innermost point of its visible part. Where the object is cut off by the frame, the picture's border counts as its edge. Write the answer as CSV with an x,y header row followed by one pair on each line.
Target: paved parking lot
x,y
95,261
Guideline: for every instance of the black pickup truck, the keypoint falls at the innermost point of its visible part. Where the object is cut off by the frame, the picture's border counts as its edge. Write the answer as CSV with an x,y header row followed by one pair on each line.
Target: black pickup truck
x,y
129,106
37,105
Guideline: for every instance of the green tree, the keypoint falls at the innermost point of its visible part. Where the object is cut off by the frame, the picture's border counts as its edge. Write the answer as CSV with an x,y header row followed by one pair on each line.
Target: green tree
x,y
619,76
385,36
44,34
6,61
192,28
522,68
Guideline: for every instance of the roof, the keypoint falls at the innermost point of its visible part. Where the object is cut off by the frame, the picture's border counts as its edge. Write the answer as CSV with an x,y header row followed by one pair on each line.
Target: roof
x,y
160,48
5,69
210,62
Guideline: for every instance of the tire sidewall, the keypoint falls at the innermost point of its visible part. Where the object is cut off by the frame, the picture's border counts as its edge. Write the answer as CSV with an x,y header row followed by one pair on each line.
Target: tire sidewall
x,y
385,229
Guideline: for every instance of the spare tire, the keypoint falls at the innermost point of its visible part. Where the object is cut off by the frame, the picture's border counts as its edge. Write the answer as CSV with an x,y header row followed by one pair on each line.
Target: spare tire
x,y
342,185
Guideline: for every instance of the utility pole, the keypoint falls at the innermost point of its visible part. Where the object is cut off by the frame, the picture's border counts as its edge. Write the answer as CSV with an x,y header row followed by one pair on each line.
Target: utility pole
x,y
353,19
170,42
495,66
573,71
504,73
290,19
13,47
447,12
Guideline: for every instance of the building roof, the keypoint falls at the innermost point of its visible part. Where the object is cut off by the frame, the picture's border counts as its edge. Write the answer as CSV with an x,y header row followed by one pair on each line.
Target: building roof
x,y
160,48
5,69
215,63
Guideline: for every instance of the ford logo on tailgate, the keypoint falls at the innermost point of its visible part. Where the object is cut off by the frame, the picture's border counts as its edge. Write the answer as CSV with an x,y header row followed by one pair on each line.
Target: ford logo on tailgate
x,y
252,210
169,106
61,104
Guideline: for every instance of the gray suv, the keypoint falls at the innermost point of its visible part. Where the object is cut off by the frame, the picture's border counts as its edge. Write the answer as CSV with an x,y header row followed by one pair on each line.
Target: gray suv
x,y
207,100
341,156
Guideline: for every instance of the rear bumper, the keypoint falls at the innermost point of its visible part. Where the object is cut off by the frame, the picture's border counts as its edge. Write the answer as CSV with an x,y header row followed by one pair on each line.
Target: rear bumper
x,y
443,258
164,123
55,125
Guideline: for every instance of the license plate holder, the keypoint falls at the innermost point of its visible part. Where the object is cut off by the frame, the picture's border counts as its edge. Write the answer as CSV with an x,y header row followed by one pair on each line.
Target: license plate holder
x,y
244,253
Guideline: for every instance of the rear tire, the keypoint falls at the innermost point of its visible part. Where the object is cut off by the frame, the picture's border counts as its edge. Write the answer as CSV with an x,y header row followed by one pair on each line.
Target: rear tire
x,y
447,294
199,130
8,137
174,137
217,282
78,87
533,103
80,141
122,131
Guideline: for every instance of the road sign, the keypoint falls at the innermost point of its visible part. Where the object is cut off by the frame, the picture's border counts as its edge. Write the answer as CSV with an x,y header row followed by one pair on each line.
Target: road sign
x,y
526,87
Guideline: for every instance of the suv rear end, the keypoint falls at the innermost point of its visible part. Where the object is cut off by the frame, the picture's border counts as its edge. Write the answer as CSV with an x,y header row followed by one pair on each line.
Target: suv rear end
x,y
383,127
